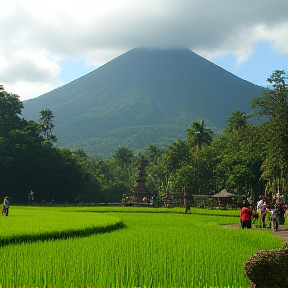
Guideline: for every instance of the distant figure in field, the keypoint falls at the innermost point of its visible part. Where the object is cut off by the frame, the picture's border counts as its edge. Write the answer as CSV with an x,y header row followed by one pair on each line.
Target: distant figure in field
x,y
246,217
146,199
6,206
186,201
30,197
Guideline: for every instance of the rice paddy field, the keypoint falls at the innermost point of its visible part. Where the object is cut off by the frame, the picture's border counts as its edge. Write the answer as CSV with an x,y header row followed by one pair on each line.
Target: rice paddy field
x,y
105,247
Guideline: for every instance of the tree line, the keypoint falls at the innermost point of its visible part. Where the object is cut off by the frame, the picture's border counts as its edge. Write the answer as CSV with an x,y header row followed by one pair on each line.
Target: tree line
x,y
247,159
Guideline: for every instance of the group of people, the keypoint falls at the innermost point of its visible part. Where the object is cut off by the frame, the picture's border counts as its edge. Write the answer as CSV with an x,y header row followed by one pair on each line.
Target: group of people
x,y
276,215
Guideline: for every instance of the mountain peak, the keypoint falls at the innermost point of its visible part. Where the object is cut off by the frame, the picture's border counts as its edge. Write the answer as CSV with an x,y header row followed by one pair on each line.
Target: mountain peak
x,y
144,96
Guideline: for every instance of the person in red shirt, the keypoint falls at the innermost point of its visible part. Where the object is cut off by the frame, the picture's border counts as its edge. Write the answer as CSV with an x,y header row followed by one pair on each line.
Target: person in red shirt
x,y
246,217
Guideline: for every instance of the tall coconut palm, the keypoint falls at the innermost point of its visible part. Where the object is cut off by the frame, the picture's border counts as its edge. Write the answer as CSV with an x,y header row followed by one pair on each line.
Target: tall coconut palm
x,y
123,155
237,121
46,119
198,135
153,152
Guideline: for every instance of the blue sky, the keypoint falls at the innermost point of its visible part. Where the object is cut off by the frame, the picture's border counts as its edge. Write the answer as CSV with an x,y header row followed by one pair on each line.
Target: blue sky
x,y
50,43
258,67
73,69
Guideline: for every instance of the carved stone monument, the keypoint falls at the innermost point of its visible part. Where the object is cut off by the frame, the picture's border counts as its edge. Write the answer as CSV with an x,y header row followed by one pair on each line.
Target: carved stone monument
x,y
140,193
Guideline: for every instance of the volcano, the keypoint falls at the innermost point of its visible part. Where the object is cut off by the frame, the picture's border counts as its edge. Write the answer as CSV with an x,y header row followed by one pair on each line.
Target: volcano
x,y
142,97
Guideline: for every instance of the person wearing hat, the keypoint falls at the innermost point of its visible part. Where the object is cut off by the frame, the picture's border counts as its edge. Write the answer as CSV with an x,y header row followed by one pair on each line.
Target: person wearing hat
x,y
263,215
6,206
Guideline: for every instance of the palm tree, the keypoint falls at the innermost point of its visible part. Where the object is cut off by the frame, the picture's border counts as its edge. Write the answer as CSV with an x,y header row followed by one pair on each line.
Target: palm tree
x,y
177,155
46,119
153,152
237,121
123,155
198,135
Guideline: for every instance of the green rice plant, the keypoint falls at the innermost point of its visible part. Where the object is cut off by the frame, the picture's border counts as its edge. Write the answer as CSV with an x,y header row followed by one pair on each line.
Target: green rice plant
x,y
153,250
49,223
148,209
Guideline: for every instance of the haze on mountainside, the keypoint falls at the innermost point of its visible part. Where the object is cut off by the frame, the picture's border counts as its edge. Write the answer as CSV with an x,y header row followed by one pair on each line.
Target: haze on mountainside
x,y
142,97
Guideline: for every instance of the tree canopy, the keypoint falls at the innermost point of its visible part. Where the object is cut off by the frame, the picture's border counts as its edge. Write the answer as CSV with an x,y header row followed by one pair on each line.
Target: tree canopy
x,y
246,159
198,135
273,108
10,109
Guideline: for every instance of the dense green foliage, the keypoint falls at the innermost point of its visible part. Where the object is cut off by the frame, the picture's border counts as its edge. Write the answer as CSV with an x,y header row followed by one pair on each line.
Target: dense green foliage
x,y
29,224
47,125
153,250
246,159
27,162
274,107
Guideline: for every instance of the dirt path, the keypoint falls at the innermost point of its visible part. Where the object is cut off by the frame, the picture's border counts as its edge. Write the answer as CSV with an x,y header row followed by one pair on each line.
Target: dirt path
x,y
281,233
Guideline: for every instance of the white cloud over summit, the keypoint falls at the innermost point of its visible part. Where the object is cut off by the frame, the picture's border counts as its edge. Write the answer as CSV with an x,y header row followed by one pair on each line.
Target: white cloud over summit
x,y
37,36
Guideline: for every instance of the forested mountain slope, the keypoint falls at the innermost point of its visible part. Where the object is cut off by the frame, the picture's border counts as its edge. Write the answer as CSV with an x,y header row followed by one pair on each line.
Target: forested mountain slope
x,y
141,97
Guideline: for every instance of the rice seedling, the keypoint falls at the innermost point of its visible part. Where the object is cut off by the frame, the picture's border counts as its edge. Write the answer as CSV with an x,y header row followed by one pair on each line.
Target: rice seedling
x,y
153,250
148,209
50,223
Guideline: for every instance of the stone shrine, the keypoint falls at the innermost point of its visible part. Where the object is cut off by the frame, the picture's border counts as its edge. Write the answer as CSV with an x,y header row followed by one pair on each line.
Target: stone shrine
x,y
140,194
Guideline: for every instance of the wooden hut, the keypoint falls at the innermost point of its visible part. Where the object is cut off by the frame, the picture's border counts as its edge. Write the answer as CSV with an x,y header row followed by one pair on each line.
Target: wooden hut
x,y
224,199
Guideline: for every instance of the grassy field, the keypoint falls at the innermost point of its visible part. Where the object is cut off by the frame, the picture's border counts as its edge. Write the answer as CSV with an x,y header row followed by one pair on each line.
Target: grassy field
x,y
143,247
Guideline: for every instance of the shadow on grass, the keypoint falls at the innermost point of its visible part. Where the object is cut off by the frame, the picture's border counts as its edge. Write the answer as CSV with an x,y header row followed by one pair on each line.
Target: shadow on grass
x,y
58,235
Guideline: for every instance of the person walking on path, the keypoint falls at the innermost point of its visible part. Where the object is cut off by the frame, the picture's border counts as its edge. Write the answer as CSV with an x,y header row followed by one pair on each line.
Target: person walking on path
x,y
282,214
246,217
275,217
263,215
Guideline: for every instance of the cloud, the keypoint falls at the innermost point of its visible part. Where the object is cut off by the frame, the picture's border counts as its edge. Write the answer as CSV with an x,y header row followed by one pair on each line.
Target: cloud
x,y
38,35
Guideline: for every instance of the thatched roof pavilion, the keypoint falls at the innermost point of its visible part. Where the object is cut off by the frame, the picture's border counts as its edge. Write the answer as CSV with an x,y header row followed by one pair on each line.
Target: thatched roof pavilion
x,y
224,198
223,194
